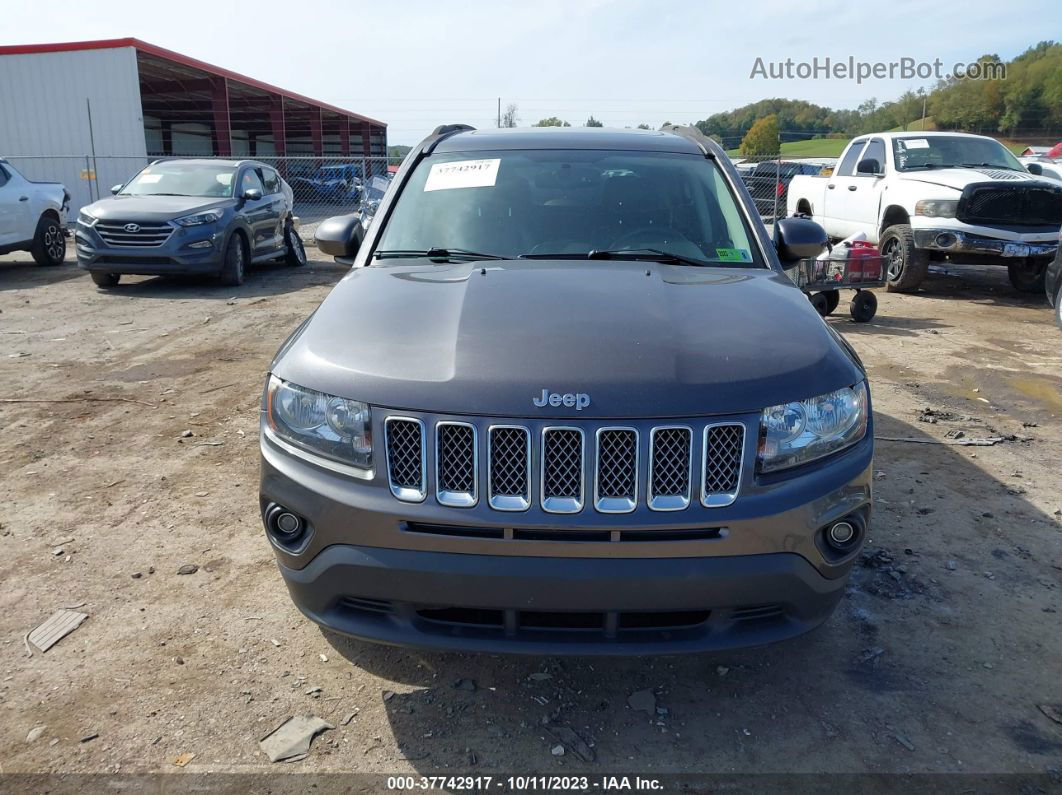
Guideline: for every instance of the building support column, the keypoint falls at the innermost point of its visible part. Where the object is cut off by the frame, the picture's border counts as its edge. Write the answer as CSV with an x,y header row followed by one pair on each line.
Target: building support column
x,y
344,136
219,101
316,135
276,121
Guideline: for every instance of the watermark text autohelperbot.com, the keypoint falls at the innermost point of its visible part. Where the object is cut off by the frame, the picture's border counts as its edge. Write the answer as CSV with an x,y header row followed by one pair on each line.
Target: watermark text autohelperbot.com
x,y
827,68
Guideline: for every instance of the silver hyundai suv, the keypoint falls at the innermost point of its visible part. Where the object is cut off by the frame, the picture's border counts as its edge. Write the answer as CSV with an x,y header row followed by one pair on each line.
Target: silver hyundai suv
x,y
566,401
190,217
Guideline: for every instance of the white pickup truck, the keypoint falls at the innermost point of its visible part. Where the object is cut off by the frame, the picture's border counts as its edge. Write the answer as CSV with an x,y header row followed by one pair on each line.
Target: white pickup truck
x,y
929,197
32,216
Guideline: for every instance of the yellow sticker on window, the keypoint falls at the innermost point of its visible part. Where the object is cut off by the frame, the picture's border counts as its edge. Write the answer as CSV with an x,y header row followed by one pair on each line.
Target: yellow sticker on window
x,y
733,255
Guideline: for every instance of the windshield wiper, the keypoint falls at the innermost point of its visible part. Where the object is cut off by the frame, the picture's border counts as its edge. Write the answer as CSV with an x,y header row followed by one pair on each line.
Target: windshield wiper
x,y
988,165
436,253
650,254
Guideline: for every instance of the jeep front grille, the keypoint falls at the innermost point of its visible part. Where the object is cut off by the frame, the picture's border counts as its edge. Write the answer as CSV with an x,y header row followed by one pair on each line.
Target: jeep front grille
x,y
562,470
723,445
509,468
616,483
405,458
456,464
670,468
624,466
115,233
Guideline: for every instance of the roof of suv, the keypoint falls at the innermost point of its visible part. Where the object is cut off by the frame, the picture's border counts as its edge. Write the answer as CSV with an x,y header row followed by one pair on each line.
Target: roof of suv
x,y
567,138
235,163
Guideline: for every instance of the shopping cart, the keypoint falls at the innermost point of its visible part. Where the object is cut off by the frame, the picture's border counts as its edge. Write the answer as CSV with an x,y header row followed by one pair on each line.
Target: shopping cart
x,y
849,265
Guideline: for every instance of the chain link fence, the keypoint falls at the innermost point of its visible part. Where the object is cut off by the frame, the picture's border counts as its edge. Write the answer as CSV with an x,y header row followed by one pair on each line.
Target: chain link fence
x,y
768,178
322,186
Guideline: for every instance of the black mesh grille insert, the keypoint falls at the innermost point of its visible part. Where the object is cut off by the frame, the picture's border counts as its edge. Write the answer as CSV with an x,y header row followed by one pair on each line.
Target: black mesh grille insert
x,y
617,460
457,458
562,457
671,462
1011,204
404,454
722,459
508,462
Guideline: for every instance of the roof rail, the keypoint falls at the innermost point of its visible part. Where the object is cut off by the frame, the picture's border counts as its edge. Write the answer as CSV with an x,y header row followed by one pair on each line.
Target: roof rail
x,y
692,134
444,131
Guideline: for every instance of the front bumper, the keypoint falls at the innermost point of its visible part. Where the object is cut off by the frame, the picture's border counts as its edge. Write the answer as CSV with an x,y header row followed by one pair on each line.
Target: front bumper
x,y
952,241
192,251
433,576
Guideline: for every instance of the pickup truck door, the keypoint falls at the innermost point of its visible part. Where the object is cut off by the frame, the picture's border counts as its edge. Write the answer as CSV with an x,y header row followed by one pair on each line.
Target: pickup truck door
x,y
863,199
840,187
12,209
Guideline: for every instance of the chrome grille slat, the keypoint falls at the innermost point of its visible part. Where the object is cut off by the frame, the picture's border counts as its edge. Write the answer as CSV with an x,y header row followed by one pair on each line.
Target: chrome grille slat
x,y
670,467
509,467
724,445
616,473
563,465
114,233
405,458
456,464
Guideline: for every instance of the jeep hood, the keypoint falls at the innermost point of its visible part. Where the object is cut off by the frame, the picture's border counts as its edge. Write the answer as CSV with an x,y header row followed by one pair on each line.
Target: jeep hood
x,y
959,178
642,339
151,208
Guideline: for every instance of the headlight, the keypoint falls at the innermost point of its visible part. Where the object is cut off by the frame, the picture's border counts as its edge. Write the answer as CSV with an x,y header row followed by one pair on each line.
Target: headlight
x,y
937,208
198,219
329,426
795,433
86,218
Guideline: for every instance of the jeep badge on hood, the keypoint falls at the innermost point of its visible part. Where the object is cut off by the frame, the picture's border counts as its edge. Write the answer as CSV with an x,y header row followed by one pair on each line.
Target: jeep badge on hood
x,y
579,399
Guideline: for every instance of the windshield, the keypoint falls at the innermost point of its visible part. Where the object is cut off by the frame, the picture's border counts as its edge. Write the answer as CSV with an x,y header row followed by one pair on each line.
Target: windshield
x,y
570,202
943,151
182,179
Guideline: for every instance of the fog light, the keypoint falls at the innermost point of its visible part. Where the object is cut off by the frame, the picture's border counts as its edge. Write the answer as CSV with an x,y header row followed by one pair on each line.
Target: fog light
x,y
288,523
201,244
841,533
945,240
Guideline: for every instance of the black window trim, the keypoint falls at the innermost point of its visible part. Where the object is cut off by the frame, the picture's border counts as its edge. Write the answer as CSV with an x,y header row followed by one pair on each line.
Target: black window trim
x,y
881,162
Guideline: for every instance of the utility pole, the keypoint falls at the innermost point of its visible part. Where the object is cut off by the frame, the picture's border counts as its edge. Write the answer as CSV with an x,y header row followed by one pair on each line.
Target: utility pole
x,y
499,112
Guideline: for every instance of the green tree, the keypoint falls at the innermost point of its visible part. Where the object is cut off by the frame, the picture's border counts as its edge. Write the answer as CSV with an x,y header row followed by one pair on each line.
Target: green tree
x,y
510,117
762,138
592,122
552,121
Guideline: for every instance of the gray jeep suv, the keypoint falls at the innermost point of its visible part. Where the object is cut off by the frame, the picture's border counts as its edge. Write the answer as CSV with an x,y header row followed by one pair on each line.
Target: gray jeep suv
x,y
566,401
190,217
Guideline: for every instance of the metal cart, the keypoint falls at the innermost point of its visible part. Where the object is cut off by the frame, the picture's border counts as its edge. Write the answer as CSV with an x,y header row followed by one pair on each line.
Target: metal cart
x,y
822,279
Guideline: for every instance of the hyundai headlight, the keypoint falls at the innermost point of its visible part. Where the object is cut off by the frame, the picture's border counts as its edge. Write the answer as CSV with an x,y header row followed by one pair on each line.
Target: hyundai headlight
x,y
198,219
333,427
86,218
805,430
937,208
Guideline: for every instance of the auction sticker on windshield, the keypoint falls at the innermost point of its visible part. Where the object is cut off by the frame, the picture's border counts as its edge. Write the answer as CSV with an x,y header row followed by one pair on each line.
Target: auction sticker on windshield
x,y
463,174
733,255
915,143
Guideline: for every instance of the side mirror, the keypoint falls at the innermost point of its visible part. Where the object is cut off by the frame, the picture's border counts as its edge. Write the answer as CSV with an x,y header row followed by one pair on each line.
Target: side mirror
x,y
869,166
799,238
116,188
252,194
1035,168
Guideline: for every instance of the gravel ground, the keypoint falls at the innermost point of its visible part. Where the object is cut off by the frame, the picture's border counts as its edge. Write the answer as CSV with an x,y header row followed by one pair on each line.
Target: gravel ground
x,y
938,660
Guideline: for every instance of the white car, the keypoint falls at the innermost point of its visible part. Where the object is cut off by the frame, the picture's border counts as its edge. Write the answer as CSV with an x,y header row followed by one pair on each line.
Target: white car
x,y
32,216
931,196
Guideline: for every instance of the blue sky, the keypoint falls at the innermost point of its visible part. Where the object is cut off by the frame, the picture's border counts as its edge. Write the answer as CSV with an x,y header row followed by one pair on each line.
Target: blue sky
x,y
418,64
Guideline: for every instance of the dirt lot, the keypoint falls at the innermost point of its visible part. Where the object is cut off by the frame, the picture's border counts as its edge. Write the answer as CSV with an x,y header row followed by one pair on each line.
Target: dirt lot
x,y
937,661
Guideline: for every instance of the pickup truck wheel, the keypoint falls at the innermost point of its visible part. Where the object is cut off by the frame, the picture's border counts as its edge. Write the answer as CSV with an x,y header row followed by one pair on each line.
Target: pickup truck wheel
x,y
1028,275
294,251
905,266
102,279
232,271
49,244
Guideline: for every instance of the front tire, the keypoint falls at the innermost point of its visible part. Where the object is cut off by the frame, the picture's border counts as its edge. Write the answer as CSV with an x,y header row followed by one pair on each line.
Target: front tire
x,y
235,257
49,243
104,280
1028,276
905,266
1058,307
294,251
